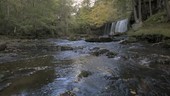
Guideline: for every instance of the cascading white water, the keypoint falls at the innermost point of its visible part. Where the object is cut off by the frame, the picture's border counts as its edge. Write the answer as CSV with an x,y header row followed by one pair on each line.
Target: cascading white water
x,y
121,26
116,27
107,29
112,31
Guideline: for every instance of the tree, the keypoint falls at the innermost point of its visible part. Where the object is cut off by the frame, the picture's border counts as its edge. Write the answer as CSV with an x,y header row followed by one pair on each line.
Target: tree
x,y
167,7
34,17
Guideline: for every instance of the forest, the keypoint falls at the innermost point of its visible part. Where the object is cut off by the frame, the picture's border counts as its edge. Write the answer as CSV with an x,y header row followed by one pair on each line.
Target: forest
x,y
37,18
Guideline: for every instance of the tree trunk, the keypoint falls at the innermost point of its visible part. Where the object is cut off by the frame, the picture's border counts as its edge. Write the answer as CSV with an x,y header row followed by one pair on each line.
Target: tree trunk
x,y
167,8
135,15
150,7
140,10
134,11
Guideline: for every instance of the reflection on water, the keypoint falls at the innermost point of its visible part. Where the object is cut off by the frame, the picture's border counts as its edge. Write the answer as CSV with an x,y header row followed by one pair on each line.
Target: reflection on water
x,y
26,75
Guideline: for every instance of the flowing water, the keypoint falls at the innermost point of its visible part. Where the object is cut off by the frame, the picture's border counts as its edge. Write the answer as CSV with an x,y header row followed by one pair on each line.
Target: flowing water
x,y
121,26
137,69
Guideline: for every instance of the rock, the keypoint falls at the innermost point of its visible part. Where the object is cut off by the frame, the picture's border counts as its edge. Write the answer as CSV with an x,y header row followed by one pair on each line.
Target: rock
x,y
129,40
99,52
3,46
68,93
84,74
111,54
99,39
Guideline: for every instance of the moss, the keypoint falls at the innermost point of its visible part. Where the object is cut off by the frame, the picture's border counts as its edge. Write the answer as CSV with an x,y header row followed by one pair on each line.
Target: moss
x,y
157,24
160,29
160,17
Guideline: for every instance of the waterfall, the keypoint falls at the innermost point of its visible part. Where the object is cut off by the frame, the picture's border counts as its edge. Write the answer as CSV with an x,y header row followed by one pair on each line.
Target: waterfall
x,y
121,26
116,27
107,29
112,31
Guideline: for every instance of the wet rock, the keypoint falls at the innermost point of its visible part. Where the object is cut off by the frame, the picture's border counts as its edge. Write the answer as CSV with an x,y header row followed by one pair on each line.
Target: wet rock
x,y
84,74
116,39
111,54
99,52
99,39
3,46
130,40
68,93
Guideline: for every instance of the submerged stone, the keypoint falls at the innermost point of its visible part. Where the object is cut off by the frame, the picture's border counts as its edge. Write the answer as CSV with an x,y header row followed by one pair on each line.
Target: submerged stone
x,y
84,74
111,54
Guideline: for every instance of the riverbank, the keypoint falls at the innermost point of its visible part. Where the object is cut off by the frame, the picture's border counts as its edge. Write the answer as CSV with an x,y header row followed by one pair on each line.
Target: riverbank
x,y
155,29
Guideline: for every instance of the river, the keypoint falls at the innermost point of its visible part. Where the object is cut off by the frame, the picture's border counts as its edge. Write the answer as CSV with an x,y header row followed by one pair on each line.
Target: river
x,y
138,69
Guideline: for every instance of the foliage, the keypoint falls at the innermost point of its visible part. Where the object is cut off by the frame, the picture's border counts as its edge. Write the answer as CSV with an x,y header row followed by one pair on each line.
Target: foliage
x,y
101,13
34,17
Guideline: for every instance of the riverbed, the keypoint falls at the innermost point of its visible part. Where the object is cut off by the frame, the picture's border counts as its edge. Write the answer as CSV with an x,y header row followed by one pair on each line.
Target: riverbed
x,y
137,69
